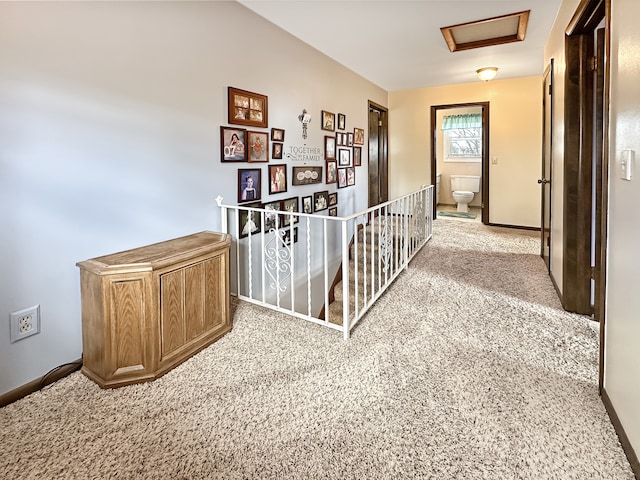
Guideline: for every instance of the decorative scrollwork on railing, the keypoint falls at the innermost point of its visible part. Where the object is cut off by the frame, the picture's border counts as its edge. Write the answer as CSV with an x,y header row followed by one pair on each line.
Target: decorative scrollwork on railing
x,y
419,220
385,244
278,259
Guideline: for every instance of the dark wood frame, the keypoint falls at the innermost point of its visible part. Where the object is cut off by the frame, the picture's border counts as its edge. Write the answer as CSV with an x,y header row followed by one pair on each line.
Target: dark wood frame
x,y
276,154
310,198
286,235
333,211
346,152
342,121
328,115
277,135
243,215
329,180
316,196
271,170
296,171
333,199
265,138
343,172
257,174
357,156
285,218
358,136
349,139
232,108
277,220
224,130
328,139
351,180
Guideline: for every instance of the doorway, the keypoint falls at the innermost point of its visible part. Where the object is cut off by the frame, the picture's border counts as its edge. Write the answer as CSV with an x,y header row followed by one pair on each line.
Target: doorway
x,y
438,141
545,180
378,151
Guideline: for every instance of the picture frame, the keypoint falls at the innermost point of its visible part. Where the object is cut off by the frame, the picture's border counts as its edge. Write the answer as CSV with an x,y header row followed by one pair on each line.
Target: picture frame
x,y
344,157
357,156
332,172
358,136
342,177
277,178
249,185
320,201
350,139
340,139
247,108
277,135
329,147
328,121
307,204
257,146
306,175
333,199
233,144
342,121
333,212
289,205
249,222
286,236
351,176
276,151
271,215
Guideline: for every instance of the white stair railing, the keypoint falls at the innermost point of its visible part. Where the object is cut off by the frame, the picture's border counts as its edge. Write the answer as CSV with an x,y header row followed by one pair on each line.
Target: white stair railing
x,y
290,264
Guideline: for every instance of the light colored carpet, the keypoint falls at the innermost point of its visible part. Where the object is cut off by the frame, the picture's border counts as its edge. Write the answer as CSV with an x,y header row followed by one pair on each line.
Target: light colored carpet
x,y
467,368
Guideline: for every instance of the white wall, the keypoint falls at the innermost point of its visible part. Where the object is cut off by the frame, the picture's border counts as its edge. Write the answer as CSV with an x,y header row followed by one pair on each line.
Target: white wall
x,y
110,115
622,336
515,133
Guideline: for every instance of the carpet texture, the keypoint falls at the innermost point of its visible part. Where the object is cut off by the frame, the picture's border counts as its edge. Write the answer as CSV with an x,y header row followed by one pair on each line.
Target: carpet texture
x,y
467,368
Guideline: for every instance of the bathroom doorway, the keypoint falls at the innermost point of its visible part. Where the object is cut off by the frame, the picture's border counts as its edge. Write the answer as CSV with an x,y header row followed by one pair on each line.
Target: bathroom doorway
x,y
460,151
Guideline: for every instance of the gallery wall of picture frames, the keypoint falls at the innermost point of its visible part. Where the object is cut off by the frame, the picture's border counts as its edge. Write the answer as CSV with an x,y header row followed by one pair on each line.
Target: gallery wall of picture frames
x,y
258,144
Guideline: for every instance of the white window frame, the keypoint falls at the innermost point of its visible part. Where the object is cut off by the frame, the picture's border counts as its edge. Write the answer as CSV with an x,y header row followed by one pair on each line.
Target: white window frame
x,y
448,157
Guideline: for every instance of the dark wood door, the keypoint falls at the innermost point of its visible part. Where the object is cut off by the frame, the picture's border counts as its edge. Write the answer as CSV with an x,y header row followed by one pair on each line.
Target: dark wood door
x,y
378,166
545,180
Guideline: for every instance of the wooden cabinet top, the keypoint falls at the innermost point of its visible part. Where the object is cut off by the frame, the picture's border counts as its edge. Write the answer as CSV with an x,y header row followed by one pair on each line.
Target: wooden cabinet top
x,y
158,255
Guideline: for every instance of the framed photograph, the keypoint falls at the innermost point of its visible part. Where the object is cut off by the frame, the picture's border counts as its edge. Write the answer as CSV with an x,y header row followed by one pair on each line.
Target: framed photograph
x,y
320,201
329,147
333,212
277,178
328,121
306,175
286,236
307,204
247,108
342,177
277,135
232,143
350,139
357,156
332,172
344,157
358,136
289,205
248,184
351,176
342,121
249,222
276,151
271,215
258,146
333,199
339,137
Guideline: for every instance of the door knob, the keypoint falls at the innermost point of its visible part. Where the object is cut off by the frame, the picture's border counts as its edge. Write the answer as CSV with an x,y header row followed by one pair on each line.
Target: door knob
x,y
543,181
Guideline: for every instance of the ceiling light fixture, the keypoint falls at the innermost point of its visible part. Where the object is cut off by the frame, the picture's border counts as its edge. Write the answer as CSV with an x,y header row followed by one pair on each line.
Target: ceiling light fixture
x,y
487,73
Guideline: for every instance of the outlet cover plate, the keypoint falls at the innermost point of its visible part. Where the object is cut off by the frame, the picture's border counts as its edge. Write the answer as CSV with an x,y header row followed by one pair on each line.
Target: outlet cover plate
x,y
24,323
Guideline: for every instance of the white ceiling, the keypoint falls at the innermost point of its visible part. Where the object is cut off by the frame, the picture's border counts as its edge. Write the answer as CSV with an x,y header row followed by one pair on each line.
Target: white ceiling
x,y
397,44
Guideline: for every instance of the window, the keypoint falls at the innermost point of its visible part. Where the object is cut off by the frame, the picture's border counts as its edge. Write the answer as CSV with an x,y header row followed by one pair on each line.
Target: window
x,y
462,138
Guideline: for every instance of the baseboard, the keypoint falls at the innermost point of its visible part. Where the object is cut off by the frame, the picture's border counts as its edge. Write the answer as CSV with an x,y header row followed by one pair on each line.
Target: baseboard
x,y
39,383
517,227
622,436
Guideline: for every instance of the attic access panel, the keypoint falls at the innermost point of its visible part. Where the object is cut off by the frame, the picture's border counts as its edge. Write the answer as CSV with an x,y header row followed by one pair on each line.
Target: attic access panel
x,y
487,32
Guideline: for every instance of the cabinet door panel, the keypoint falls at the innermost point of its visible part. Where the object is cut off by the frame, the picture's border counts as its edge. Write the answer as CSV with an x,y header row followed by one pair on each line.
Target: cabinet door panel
x,y
214,291
172,311
194,300
127,326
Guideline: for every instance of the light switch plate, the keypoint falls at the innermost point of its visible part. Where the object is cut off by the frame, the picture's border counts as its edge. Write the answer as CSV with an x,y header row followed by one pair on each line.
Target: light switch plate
x,y
626,164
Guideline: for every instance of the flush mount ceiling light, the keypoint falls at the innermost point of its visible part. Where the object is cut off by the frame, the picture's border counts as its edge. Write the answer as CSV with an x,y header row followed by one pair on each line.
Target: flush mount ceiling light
x,y
487,73
487,32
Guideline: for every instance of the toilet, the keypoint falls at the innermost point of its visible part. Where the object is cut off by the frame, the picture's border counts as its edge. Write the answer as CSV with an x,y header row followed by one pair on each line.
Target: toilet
x,y
464,188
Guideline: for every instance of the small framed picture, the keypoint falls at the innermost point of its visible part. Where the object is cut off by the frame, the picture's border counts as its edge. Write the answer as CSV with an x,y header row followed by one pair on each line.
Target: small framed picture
x,y
248,184
342,177
286,236
329,147
277,135
350,139
351,176
271,215
232,142
358,136
333,212
333,199
320,201
289,205
258,146
332,172
344,157
249,221
307,204
277,178
276,151
306,175
247,108
357,156
342,121
328,121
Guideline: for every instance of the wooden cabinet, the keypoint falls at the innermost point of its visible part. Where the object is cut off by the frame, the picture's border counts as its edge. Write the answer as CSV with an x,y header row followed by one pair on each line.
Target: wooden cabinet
x,y
146,310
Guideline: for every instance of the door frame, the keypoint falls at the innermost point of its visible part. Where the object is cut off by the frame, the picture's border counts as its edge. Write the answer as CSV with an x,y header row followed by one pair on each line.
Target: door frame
x,y
485,150
382,151
547,156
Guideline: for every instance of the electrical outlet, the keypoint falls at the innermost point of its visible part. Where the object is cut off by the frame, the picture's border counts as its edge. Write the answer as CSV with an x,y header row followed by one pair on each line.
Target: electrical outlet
x,y
24,323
